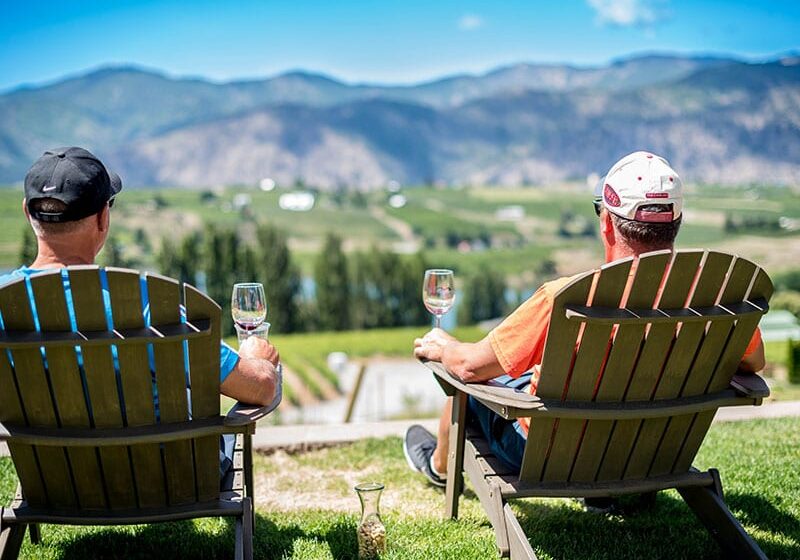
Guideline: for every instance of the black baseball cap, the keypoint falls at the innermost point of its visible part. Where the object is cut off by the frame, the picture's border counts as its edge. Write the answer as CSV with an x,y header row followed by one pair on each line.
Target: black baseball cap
x,y
75,177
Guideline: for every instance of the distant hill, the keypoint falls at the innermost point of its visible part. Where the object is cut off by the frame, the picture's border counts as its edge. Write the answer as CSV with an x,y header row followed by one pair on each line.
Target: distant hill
x,y
716,119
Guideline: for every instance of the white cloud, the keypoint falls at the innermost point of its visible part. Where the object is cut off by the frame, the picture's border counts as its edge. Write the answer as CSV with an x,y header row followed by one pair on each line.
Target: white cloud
x,y
626,13
470,22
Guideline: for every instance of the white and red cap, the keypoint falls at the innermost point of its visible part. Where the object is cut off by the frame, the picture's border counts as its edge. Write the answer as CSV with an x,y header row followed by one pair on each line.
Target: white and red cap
x,y
641,179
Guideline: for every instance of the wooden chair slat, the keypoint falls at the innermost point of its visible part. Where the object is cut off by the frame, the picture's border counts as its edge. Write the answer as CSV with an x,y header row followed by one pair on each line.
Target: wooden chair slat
x,y
137,385
101,381
67,387
36,400
581,383
652,353
713,270
650,272
744,277
562,338
164,297
204,359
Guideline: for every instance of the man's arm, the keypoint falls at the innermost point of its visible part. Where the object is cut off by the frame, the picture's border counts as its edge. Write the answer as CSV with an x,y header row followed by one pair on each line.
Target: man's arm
x,y
254,379
470,362
755,360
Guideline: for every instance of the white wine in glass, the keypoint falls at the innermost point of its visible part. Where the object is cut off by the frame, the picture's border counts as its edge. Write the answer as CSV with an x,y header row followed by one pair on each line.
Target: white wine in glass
x,y
248,305
438,293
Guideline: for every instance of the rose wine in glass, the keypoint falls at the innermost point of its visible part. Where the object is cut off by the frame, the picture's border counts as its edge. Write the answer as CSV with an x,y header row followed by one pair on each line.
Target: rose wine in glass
x,y
438,293
248,305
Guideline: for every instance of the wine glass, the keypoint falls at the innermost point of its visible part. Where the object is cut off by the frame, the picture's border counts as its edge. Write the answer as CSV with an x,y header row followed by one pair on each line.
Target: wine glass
x,y
438,293
248,305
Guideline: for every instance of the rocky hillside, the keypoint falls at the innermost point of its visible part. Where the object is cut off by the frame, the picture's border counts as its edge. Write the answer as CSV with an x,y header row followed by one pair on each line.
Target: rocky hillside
x,y
717,120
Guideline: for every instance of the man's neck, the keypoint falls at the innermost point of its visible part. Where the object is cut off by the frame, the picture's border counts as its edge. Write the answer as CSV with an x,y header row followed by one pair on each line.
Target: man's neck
x,y
623,250
46,258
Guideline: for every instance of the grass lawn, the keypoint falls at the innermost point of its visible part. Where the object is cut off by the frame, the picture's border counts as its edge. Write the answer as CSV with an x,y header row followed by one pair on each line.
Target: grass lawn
x,y
307,510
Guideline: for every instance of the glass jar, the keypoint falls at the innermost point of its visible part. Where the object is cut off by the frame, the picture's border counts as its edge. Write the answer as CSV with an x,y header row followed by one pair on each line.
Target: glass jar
x,y
371,531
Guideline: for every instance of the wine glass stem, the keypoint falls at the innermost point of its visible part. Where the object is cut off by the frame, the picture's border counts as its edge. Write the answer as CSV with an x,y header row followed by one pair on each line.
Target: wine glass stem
x,y
437,321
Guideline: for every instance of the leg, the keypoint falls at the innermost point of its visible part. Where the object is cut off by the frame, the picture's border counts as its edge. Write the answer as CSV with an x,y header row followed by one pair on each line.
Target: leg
x,y
443,439
455,456
707,503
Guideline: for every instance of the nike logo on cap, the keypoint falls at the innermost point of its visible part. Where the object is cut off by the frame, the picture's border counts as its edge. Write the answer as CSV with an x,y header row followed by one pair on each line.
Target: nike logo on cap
x,y
54,187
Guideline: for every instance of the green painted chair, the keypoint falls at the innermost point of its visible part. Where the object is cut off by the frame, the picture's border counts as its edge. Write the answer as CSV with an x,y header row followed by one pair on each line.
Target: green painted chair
x,y
627,411
85,442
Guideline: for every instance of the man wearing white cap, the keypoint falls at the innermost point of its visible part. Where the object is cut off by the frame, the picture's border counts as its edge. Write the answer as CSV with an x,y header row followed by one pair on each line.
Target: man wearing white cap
x,y
639,204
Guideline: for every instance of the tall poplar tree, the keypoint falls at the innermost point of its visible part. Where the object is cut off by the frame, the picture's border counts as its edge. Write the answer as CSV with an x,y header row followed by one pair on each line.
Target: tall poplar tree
x,y
332,286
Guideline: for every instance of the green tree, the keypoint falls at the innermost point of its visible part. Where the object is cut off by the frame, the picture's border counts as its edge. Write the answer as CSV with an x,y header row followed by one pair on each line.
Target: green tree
x,y
281,278
167,259
190,258
332,286
217,267
484,297
29,247
114,253
386,290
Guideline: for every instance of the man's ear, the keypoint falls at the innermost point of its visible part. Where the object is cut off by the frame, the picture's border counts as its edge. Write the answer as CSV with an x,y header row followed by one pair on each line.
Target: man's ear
x,y
103,219
25,209
607,227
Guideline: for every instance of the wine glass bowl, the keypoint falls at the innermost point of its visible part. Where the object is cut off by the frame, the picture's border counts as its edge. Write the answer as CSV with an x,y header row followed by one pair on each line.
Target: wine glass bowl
x,y
248,305
438,292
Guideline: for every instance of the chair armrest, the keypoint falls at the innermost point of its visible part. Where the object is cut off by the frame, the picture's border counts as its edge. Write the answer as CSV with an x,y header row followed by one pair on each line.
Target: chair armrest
x,y
750,385
242,414
487,391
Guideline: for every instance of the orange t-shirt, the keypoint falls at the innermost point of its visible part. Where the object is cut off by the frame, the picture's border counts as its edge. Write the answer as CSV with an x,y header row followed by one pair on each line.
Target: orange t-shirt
x,y
518,342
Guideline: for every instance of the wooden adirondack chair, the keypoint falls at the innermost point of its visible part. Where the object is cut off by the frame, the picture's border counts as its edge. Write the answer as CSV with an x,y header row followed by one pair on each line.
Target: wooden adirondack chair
x,y
85,443
628,416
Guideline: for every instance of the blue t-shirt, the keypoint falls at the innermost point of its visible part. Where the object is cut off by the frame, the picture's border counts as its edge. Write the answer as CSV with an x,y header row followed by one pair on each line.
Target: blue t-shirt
x,y
228,357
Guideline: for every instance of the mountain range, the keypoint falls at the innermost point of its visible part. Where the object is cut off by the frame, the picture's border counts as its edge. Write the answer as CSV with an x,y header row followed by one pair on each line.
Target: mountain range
x,y
716,119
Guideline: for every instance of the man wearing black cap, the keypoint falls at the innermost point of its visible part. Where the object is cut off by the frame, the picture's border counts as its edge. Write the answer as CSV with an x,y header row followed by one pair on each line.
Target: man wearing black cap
x,y
68,194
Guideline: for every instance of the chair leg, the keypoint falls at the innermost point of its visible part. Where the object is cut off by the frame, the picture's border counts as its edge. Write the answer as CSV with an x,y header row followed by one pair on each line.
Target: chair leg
x,y
250,490
35,533
247,528
11,537
517,541
238,553
708,505
455,457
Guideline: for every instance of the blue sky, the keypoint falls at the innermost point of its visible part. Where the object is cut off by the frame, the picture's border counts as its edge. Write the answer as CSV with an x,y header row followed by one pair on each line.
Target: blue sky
x,y
385,41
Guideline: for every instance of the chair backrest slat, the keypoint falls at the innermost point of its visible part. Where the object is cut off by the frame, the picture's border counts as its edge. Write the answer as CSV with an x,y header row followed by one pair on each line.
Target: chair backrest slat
x,y
204,372
619,366
662,433
37,403
68,389
627,342
164,295
558,361
737,288
101,380
609,288
124,288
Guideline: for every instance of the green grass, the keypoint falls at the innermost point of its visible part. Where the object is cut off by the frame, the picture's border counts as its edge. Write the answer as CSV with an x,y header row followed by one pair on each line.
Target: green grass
x,y
757,460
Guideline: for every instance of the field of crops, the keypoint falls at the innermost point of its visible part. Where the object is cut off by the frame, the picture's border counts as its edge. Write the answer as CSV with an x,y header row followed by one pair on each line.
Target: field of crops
x,y
542,229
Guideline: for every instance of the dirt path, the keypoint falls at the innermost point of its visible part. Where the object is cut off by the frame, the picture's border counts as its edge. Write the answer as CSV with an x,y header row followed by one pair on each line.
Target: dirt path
x,y
329,390
298,387
401,228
